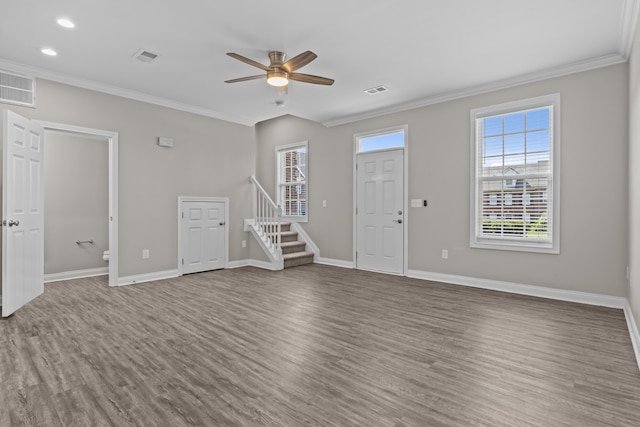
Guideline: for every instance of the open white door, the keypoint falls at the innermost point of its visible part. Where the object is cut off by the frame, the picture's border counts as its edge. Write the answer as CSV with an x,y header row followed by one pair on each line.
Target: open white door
x,y
379,211
22,212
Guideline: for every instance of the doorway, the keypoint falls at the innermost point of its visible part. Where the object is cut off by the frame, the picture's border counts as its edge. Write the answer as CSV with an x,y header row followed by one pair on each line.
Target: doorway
x,y
203,234
380,201
111,138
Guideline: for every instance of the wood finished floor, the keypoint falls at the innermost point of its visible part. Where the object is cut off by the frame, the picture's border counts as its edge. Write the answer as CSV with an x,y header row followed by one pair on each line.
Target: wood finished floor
x,y
312,346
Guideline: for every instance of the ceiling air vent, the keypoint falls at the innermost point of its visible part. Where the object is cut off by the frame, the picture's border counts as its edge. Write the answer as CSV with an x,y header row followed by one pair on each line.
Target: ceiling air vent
x,y
145,55
376,90
19,90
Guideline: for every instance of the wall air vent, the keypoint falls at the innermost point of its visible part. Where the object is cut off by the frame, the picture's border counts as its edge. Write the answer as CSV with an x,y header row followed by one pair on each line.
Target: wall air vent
x,y
145,55
18,90
376,90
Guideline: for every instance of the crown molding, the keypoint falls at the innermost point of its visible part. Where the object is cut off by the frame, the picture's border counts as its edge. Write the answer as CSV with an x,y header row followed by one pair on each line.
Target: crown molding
x,y
628,23
116,91
564,70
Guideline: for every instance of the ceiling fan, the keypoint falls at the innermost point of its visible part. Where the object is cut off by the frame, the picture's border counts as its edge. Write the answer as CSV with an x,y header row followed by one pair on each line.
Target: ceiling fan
x,y
280,72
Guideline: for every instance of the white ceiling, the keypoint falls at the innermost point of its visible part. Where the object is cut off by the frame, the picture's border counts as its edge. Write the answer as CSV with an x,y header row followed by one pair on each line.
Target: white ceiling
x,y
423,51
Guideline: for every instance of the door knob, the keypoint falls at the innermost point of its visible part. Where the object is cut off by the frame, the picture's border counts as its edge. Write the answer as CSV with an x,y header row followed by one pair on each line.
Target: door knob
x,y
399,221
13,222
221,223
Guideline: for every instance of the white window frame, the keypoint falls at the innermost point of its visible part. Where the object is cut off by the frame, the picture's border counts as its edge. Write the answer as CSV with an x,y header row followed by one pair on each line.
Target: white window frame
x,y
279,202
502,243
358,138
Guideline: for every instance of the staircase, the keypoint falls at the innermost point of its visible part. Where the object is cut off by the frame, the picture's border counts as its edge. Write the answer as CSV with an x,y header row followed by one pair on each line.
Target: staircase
x,y
294,251
285,243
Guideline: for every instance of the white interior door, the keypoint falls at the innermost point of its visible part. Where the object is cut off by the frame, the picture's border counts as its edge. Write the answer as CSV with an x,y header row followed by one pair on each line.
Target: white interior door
x,y
22,212
379,214
203,236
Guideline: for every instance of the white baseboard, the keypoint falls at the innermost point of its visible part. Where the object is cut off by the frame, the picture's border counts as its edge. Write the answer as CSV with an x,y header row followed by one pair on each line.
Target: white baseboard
x,y
633,331
268,266
77,274
517,288
252,263
239,263
147,277
335,262
262,264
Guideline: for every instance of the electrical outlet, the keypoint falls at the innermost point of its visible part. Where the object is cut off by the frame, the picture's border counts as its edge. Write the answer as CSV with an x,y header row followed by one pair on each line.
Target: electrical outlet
x,y
145,254
445,254
324,203
244,243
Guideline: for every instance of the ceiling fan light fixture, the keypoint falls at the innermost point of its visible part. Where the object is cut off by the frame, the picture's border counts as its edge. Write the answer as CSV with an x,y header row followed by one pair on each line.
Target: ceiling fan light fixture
x,y
277,78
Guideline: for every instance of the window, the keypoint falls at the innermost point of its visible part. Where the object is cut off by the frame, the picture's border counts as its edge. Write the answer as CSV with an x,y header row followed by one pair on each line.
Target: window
x,y
515,159
291,180
382,140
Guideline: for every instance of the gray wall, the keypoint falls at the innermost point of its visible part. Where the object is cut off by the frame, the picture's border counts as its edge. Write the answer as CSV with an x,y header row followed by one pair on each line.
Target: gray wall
x,y
634,176
211,158
594,116
76,200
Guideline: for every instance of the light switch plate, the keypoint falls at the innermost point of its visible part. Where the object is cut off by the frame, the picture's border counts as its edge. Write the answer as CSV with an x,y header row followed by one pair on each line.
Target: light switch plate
x,y
416,203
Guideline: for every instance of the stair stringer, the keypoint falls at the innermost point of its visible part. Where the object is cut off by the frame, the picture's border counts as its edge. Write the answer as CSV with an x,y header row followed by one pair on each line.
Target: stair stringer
x,y
274,254
303,236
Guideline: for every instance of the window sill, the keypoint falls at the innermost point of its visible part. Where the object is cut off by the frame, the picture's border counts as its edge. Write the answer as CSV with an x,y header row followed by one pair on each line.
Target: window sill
x,y
517,247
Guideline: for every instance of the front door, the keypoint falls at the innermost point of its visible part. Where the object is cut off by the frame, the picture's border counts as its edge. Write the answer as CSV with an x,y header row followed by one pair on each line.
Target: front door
x,y
22,212
203,236
379,214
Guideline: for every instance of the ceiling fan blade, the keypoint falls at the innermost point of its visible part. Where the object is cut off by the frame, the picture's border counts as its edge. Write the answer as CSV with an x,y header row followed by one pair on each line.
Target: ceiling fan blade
x,y
244,79
248,61
298,61
308,78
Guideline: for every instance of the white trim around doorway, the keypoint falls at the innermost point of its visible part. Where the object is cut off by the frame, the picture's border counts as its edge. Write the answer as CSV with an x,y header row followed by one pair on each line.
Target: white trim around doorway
x,y
181,200
112,139
356,139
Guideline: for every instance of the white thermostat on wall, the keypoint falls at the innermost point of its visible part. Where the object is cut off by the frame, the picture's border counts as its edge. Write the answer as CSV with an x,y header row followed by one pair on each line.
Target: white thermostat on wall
x,y
163,141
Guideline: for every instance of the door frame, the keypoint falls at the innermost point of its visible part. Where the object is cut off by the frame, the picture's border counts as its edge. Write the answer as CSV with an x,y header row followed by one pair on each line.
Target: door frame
x,y
183,199
405,190
112,140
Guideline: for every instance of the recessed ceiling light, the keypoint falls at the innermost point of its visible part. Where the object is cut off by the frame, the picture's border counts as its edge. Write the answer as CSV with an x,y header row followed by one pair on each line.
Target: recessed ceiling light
x,y
64,22
48,51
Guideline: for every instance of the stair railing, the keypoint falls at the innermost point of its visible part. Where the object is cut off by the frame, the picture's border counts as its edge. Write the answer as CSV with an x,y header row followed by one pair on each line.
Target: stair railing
x,y
268,217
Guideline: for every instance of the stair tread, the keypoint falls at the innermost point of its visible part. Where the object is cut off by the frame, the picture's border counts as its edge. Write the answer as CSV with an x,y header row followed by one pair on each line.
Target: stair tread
x,y
293,243
295,255
284,233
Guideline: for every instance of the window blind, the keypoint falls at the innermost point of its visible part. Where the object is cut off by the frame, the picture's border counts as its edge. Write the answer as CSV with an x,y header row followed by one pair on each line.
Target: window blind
x,y
514,176
292,181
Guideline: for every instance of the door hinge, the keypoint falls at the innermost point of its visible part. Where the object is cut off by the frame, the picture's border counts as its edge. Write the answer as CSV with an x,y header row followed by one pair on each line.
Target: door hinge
x,y
356,211
182,215
182,261
356,254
